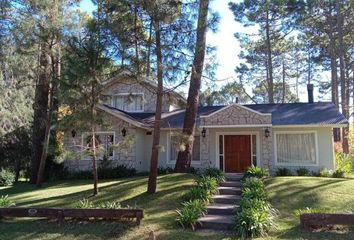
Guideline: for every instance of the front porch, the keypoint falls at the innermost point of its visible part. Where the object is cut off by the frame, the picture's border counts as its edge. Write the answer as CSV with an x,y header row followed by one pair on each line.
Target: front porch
x,y
236,137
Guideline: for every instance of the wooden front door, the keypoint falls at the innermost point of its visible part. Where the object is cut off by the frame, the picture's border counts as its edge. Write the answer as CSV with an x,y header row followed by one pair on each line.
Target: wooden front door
x,y
237,153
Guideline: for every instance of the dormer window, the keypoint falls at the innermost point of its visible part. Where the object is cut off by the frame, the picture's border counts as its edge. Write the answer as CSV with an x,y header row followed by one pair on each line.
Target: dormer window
x,y
129,102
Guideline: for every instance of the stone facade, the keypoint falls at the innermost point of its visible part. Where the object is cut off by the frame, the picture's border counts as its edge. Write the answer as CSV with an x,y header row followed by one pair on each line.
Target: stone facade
x,y
236,115
126,85
267,150
205,151
76,145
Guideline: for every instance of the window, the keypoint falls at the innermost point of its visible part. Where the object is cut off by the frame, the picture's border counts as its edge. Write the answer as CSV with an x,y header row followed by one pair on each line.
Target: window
x,y
174,152
296,148
133,102
104,140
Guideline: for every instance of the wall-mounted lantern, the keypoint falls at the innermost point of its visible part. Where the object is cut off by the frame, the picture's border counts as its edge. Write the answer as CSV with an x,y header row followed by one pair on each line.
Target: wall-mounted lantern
x,y
124,132
267,132
203,132
73,133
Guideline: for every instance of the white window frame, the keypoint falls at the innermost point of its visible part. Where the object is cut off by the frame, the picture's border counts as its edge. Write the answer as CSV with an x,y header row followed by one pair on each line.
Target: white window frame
x,y
296,164
83,145
248,133
127,94
168,155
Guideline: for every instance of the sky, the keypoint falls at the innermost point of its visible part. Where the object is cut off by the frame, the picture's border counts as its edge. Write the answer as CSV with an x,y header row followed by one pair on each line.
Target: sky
x,y
226,44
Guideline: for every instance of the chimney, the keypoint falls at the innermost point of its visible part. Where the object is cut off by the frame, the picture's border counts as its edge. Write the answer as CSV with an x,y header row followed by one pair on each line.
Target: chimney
x,y
236,100
310,92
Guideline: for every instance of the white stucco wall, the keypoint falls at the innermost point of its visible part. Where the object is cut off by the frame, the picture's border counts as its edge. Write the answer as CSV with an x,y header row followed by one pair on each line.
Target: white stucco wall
x,y
325,147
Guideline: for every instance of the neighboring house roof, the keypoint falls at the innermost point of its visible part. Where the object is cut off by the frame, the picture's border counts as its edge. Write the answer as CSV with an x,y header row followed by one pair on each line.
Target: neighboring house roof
x,y
287,114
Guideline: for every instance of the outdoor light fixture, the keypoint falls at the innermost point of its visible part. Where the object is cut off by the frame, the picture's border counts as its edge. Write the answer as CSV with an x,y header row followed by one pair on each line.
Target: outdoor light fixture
x,y
266,132
73,133
203,132
124,132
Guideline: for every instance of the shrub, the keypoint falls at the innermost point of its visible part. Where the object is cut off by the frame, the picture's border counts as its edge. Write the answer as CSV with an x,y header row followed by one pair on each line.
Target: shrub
x,y
6,202
208,183
254,216
82,174
253,222
215,173
325,173
15,150
84,203
189,214
192,170
7,177
302,171
109,205
254,171
253,183
162,170
196,193
120,171
344,162
283,172
338,174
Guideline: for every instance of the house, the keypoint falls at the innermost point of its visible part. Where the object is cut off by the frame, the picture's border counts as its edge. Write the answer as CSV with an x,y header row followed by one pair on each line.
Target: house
x,y
228,137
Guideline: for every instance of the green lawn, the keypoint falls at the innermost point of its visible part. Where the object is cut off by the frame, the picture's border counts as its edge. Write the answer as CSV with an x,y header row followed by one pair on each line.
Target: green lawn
x,y
159,209
290,193
286,194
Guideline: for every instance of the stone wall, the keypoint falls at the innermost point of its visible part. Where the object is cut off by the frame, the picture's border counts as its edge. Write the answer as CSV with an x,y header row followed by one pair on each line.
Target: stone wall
x,y
267,151
79,161
236,115
126,85
205,150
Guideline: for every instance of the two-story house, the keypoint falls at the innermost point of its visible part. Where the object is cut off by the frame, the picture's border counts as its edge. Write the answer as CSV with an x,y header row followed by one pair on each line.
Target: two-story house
x,y
228,137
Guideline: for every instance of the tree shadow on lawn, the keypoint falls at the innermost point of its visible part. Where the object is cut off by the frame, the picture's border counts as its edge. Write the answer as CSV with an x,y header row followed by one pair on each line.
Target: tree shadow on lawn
x,y
69,229
298,232
291,195
25,195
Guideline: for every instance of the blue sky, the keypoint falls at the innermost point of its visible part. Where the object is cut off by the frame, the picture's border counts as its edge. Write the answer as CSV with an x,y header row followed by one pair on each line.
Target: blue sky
x,y
227,46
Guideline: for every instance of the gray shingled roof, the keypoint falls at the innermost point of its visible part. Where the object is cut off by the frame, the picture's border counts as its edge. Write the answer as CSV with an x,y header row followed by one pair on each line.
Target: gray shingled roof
x,y
321,113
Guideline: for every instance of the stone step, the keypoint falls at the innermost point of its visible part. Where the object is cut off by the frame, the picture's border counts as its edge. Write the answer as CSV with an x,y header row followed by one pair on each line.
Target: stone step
x,y
216,222
233,176
220,209
230,184
227,199
229,190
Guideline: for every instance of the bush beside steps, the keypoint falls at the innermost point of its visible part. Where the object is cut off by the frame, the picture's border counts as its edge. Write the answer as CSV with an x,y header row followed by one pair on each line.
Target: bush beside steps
x,y
198,197
254,216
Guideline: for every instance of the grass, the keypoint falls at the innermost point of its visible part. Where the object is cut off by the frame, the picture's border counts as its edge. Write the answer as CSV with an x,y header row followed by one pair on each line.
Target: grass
x,y
290,193
286,194
159,209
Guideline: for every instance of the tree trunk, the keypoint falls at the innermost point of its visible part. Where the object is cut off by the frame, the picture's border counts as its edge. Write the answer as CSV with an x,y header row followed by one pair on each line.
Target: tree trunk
x,y
93,130
149,50
137,61
284,85
94,167
156,136
53,79
40,107
184,158
269,59
343,82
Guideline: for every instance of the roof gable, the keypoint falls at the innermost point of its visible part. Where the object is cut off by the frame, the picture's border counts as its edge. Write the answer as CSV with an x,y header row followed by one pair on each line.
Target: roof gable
x,y
236,115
